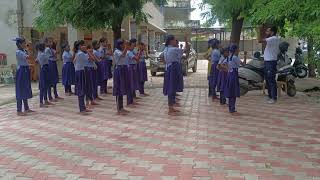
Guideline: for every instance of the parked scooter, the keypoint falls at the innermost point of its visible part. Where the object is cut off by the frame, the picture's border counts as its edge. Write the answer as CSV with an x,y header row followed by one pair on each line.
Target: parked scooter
x,y
301,68
251,75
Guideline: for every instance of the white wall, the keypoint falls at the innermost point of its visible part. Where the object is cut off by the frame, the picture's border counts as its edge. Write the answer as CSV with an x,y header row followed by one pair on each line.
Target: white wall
x,y
30,13
9,29
157,18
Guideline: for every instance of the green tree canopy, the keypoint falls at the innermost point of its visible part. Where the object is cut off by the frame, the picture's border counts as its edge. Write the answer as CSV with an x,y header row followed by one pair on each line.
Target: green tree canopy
x,y
302,18
227,11
88,14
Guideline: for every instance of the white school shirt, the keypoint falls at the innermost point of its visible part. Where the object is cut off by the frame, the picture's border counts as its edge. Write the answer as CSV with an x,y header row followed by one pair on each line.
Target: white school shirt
x,y
272,48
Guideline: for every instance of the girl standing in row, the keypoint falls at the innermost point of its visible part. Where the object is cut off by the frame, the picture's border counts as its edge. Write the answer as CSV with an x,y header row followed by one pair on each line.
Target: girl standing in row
x,y
53,70
120,80
132,59
223,72
232,86
23,84
172,56
97,69
81,60
68,70
44,84
142,68
105,65
90,79
215,57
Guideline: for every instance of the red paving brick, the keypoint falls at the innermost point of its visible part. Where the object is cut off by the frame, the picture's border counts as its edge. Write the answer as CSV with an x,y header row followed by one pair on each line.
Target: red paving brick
x,y
271,142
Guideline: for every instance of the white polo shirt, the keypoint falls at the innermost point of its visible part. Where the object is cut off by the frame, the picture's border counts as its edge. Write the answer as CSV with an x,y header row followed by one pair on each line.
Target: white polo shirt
x,y
272,48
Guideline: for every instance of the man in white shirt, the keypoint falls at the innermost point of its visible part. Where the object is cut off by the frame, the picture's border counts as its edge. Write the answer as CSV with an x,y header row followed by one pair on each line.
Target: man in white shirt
x,y
270,61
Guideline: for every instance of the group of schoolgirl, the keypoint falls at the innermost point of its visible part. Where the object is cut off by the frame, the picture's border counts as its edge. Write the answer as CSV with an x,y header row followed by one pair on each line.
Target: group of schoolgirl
x,y
47,57
130,73
223,75
88,67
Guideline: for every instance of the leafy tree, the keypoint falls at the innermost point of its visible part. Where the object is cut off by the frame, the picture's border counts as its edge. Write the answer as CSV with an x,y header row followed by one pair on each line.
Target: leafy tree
x,y
302,16
88,14
233,12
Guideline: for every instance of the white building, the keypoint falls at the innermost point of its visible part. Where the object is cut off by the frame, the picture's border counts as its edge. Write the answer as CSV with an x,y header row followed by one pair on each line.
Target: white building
x,y
17,16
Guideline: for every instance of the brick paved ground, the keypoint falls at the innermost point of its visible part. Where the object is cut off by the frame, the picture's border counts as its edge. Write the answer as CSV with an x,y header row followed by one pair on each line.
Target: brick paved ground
x,y
267,142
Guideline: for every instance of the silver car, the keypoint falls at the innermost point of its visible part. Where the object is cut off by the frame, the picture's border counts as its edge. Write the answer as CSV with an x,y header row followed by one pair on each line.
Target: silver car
x,y
157,63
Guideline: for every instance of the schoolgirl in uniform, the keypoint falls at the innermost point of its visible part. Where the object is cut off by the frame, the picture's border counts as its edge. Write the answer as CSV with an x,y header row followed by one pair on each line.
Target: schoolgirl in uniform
x,y
120,80
68,70
232,87
106,65
135,51
53,70
81,59
215,57
90,68
223,72
172,55
132,59
23,84
44,84
142,67
96,74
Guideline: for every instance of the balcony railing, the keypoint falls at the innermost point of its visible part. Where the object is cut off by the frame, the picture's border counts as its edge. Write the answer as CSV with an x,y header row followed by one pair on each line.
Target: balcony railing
x,y
182,24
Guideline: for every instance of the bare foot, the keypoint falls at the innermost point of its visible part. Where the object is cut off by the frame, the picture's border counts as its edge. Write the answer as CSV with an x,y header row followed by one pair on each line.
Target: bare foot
x,y
235,114
43,106
53,100
99,98
94,103
88,110
59,98
47,103
21,114
29,111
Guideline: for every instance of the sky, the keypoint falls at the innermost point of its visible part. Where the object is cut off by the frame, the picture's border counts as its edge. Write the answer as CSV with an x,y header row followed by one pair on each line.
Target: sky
x,y
196,14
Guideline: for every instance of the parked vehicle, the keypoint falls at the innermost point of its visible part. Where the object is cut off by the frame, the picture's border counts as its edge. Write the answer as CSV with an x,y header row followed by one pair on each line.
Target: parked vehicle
x,y
157,64
251,75
301,68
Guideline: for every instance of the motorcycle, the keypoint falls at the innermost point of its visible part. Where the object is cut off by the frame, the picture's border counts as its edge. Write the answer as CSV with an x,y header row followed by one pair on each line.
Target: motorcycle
x,y
251,75
300,67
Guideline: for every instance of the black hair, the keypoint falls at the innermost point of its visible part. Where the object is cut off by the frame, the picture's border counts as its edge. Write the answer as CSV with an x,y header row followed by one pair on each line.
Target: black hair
x,y
133,40
169,38
77,45
40,46
274,29
94,44
64,46
103,39
19,41
119,43
215,43
232,48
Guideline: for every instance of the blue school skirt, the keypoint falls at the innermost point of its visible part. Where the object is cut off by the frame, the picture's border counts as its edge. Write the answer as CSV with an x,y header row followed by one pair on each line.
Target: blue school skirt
x,y
23,83
68,74
172,81
53,73
120,80
222,77
80,82
94,82
44,77
106,69
143,73
213,78
88,72
133,77
100,73
232,86
181,83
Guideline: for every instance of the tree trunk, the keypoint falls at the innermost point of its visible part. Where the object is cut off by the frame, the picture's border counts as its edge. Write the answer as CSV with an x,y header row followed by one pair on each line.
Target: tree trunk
x,y
311,65
116,33
237,24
